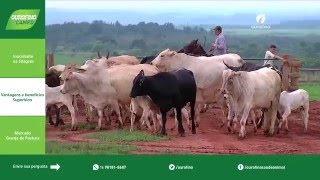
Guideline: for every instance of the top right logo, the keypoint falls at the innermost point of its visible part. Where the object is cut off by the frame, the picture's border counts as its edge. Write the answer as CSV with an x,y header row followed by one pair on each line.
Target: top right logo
x,y
261,18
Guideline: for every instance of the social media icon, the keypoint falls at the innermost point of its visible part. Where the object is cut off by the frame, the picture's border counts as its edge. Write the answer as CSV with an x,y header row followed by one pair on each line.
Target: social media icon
x,y
95,167
172,167
240,167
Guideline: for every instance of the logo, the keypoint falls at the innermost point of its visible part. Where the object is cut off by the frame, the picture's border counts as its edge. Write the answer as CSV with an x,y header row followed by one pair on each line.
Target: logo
x,y
261,18
172,167
240,167
23,19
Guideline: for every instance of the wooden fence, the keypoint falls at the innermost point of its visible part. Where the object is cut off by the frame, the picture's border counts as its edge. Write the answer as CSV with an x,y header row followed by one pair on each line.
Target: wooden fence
x,y
292,72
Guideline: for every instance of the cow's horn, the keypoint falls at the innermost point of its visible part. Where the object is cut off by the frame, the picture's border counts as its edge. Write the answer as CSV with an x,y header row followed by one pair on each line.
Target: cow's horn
x,y
232,67
99,55
107,55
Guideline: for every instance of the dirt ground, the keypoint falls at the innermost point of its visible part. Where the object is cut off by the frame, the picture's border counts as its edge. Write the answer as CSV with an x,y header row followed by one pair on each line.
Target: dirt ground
x,y
212,139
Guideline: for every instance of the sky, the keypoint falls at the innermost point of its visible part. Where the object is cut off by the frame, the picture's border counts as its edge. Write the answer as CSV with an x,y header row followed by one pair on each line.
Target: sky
x,y
180,12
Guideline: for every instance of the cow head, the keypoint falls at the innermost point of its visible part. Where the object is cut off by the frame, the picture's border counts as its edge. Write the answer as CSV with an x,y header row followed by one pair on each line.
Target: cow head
x,y
138,88
227,80
166,61
70,84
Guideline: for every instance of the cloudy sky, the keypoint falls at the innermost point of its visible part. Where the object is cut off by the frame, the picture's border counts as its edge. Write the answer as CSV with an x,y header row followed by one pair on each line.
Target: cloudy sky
x,y
179,12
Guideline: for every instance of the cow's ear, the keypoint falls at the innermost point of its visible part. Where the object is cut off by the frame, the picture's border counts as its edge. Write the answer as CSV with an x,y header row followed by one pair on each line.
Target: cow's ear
x,y
141,73
173,53
237,73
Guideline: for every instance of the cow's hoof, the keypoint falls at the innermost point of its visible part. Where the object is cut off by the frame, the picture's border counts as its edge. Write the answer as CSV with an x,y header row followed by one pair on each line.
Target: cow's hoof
x,y
229,129
265,132
194,131
61,122
241,137
269,134
197,124
182,135
74,128
99,128
163,135
172,129
254,129
221,125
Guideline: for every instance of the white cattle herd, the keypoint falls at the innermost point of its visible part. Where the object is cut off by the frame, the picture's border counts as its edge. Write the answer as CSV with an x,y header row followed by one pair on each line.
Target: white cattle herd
x,y
106,82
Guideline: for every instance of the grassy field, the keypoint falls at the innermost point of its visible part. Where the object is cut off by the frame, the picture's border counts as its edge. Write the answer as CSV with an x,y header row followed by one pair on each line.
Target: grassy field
x,y
111,142
313,90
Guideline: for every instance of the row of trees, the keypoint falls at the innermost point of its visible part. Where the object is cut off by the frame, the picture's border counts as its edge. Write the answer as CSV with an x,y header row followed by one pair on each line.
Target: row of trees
x,y
150,38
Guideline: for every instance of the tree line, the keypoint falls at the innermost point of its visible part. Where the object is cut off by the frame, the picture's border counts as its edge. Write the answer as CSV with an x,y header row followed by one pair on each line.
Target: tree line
x,y
144,39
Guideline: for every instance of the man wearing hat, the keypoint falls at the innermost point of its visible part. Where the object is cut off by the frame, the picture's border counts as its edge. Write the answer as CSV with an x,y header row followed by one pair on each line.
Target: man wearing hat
x,y
220,45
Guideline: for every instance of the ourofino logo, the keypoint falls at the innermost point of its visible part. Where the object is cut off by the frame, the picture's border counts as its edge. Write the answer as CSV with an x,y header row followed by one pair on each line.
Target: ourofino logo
x,y
23,19
261,19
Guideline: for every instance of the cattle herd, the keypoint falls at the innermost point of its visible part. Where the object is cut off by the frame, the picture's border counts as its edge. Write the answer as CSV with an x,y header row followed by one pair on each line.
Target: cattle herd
x,y
174,80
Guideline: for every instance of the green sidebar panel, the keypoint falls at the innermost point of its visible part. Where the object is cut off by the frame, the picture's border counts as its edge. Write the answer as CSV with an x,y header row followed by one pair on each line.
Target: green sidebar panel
x,y
22,69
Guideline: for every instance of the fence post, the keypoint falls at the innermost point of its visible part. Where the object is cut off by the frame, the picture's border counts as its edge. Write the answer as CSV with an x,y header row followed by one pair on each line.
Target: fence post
x,y
50,60
285,73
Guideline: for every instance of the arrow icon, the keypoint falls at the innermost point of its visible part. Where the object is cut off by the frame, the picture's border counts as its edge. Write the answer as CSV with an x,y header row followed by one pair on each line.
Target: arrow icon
x,y
56,167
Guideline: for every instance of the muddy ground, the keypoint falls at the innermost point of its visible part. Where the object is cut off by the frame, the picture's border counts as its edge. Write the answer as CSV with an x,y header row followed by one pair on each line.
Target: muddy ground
x,y
212,139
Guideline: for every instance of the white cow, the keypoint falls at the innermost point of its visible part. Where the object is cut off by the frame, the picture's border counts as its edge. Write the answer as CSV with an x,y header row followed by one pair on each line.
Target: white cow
x,y
290,101
207,72
254,90
103,87
254,114
55,97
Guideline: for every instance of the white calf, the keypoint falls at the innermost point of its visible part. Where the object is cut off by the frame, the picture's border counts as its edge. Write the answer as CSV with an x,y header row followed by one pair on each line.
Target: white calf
x,y
55,97
143,105
290,101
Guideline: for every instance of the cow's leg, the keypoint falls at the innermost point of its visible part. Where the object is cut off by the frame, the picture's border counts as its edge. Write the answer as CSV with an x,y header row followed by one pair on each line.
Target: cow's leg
x,y
306,116
273,117
48,109
164,120
180,126
57,109
145,118
243,122
116,108
175,120
197,114
260,120
74,120
132,119
192,111
185,114
100,114
253,117
284,120
155,121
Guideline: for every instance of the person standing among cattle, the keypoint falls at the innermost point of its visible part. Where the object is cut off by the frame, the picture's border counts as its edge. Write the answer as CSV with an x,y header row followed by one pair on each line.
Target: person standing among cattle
x,y
271,54
219,47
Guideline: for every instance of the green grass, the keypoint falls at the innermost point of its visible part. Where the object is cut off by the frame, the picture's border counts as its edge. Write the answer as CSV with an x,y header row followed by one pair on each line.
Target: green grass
x,y
107,142
81,126
53,147
125,136
313,90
